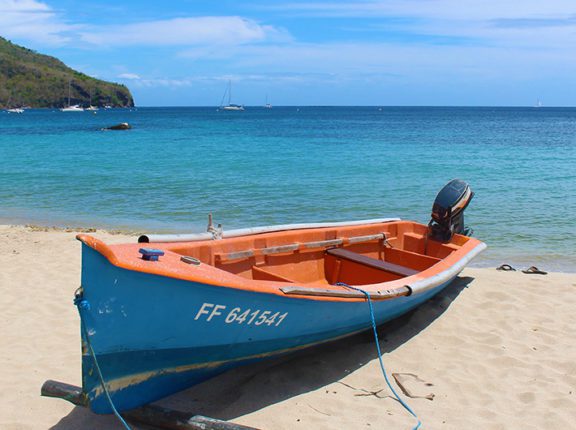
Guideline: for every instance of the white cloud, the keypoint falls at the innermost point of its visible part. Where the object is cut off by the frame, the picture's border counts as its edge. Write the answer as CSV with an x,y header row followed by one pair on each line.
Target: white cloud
x,y
221,30
430,9
32,20
390,61
194,81
527,23
36,21
130,76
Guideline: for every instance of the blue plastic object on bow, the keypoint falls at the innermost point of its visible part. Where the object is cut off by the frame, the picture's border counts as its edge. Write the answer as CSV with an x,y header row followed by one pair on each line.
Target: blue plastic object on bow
x,y
150,254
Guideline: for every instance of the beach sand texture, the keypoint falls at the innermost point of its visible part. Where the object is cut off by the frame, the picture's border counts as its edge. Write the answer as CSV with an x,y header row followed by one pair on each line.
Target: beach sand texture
x,y
499,349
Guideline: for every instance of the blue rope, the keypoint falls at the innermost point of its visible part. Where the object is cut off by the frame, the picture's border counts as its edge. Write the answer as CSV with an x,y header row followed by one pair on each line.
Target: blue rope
x,y
82,304
373,320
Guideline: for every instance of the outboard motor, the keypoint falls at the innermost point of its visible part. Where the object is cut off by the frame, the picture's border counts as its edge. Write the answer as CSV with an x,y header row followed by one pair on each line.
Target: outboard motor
x,y
448,211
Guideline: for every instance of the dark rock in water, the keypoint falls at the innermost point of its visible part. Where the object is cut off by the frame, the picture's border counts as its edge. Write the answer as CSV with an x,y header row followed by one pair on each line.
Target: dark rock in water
x,y
121,126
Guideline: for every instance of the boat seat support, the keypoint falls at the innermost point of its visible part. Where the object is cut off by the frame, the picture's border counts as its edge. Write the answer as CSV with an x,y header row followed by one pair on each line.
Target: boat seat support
x,y
396,269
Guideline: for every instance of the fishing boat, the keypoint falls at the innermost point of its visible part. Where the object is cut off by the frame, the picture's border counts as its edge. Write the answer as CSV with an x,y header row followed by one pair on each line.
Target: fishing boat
x,y
171,311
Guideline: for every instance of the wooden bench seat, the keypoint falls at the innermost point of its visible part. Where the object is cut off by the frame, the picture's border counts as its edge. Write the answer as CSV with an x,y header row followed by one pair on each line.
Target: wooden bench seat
x,y
371,262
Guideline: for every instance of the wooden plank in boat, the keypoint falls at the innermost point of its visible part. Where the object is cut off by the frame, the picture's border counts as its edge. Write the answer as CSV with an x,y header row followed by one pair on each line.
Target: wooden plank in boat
x,y
280,249
371,262
368,238
323,243
238,255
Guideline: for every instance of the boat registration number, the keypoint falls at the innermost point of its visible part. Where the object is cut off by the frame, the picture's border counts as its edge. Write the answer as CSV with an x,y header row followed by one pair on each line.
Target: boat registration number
x,y
210,312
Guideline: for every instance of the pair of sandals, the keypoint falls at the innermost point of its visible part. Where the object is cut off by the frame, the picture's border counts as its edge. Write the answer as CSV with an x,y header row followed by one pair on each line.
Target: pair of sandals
x,y
532,270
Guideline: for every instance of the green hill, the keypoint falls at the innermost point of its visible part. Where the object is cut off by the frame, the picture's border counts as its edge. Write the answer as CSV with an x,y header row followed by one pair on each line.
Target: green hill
x,y
31,79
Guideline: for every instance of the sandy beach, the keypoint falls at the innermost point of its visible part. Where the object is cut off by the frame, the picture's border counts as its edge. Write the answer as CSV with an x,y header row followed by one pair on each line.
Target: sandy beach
x,y
497,350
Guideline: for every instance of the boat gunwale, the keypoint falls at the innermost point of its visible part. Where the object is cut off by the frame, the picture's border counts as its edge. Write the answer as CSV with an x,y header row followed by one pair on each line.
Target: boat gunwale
x,y
448,267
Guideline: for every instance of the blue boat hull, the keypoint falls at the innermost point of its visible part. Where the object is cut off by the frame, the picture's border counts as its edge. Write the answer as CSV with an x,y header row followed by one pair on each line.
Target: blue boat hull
x,y
153,336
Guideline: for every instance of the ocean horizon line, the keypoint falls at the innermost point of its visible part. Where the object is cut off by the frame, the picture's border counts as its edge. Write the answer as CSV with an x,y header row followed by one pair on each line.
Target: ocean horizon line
x,y
347,106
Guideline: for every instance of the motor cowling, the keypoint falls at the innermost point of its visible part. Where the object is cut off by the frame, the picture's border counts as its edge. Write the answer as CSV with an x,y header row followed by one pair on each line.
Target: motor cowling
x,y
448,211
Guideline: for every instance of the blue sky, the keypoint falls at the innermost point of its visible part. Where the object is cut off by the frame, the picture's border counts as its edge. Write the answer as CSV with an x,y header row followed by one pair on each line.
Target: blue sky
x,y
372,52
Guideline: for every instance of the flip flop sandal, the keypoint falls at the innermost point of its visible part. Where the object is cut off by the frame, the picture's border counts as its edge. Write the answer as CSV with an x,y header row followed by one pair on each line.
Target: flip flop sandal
x,y
534,270
506,268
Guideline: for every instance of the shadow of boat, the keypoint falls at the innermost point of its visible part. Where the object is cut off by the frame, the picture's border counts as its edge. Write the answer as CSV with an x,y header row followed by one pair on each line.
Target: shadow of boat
x,y
247,389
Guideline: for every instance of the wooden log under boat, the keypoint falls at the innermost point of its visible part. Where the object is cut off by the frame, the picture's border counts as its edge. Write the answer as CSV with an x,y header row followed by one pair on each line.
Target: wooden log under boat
x,y
151,415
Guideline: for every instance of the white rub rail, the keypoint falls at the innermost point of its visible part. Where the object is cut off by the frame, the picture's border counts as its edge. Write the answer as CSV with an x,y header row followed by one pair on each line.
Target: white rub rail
x,y
165,238
426,284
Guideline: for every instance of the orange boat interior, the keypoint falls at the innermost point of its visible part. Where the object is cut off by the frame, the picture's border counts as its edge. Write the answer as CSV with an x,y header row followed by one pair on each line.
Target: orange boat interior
x,y
356,255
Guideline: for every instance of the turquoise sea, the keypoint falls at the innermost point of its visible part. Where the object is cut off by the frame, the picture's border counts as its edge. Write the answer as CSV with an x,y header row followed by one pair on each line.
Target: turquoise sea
x,y
289,164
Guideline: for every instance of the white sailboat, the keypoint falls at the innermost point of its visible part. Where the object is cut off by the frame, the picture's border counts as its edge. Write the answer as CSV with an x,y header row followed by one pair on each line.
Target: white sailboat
x,y
90,107
230,106
14,109
71,108
267,105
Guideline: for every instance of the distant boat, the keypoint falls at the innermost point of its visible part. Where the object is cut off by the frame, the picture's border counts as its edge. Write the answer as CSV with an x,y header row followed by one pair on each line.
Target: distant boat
x,y
267,105
91,108
230,106
71,108
538,104
15,109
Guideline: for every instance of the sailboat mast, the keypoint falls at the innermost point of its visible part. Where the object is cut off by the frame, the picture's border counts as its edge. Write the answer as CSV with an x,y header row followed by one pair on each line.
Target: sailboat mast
x,y
229,92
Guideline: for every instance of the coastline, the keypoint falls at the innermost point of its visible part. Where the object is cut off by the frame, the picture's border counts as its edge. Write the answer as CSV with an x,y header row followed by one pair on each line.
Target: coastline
x,y
497,347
